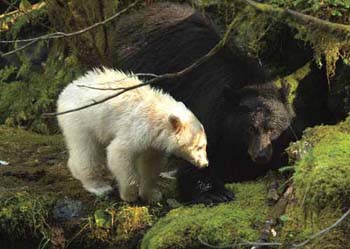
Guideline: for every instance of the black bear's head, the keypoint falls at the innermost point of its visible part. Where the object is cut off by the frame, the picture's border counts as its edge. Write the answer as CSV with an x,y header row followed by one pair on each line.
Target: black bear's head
x,y
259,114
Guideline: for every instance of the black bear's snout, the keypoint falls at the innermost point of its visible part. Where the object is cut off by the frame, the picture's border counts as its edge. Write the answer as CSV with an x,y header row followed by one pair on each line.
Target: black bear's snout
x,y
260,151
263,156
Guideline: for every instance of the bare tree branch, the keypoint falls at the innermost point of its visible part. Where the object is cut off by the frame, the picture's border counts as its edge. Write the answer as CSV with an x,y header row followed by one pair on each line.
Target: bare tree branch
x,y
342,30
58,35
159,79
274,215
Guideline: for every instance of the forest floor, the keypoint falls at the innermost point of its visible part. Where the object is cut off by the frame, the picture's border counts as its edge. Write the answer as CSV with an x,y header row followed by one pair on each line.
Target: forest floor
x,y
43,206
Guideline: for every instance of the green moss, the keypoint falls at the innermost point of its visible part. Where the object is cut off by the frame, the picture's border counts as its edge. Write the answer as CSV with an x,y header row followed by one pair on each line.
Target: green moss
x,y
322,161
119,224
321,176
298,228
14,138
321,182
293,80
218,225
24,214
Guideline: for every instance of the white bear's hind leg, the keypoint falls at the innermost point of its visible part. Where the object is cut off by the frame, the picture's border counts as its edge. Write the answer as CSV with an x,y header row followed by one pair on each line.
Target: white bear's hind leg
x,y
86,157
120,163
149,168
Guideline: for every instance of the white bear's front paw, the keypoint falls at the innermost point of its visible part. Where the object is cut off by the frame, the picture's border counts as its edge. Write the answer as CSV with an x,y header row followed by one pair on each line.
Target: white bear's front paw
x,y
98,188
151,196
129,193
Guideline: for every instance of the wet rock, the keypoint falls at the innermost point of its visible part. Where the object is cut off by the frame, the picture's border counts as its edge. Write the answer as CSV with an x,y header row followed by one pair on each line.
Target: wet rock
x,y
67,209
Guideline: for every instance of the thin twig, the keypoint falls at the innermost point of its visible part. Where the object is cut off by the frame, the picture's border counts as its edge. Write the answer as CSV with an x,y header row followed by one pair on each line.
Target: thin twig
x,y
18,49
76,235
274,215
102,89
159,79
115,81
58,35
324,231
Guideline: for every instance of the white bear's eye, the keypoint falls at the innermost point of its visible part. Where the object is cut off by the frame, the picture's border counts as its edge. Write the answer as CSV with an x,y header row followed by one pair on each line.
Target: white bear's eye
x,y
200,147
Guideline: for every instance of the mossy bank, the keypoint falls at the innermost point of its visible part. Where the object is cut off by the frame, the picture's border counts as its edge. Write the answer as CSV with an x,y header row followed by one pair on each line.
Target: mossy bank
x,y
321,182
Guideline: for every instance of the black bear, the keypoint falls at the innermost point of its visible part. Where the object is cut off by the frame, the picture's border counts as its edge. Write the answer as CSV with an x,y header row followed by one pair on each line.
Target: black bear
x,y
243,117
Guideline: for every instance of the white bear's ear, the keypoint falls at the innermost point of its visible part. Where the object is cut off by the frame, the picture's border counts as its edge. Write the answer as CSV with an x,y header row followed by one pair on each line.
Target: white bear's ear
x,y
175,123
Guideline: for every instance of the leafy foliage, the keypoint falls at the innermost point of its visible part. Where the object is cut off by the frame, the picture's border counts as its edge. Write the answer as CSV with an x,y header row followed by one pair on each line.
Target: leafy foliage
x,y
23,17
90,47
26,94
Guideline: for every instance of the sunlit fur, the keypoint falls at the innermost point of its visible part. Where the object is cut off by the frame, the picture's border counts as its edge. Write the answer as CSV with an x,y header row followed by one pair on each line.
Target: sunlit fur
x,y
132,130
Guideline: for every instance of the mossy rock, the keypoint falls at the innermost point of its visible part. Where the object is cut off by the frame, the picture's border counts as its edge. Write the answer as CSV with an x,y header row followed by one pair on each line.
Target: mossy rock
x,y
218,225
321,182
322,174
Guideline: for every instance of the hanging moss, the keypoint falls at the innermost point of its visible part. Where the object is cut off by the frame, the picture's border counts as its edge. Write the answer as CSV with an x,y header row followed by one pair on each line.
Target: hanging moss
x,y
258,25
328,39
293,80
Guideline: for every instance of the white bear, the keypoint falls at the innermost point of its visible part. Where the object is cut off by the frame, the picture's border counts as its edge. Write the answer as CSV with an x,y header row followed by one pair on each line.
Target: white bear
x,y
135,131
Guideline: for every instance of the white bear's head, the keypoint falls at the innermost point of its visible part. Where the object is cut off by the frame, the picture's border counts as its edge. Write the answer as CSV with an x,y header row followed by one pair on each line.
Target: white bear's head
x,y
189,141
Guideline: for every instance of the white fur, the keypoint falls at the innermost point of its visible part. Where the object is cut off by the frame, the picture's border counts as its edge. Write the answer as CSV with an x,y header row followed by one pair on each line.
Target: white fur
x,y
133,129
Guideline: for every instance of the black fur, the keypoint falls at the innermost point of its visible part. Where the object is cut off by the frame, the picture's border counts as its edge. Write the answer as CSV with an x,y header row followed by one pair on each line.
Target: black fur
x,y
166,38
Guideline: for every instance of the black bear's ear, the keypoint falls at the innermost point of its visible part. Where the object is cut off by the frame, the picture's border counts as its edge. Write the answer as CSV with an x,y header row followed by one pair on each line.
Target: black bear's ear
x,y
231,96
175,122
